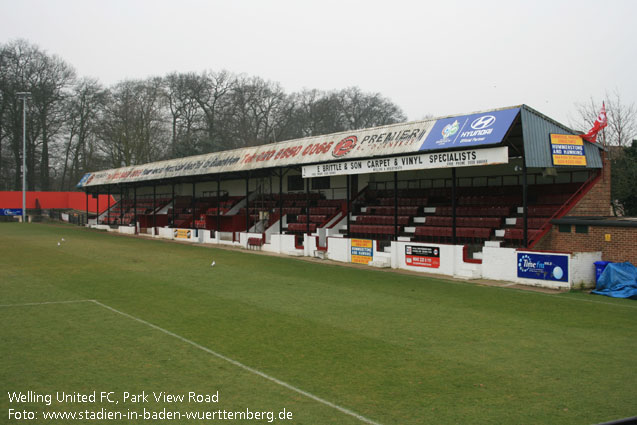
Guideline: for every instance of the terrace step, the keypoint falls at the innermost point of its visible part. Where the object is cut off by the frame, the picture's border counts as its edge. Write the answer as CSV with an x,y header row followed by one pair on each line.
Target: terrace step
x,y
381,261
493,244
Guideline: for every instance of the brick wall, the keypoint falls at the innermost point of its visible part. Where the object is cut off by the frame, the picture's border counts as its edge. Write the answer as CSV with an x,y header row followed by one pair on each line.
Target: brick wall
x,y
596,203
621,246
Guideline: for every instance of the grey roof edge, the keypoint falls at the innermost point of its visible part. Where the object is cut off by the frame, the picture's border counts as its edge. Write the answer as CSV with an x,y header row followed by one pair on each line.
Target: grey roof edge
x,y
559,124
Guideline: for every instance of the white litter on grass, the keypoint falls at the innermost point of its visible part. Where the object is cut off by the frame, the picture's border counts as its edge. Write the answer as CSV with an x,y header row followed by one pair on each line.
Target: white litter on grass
x,y
62,239
213,263
59,244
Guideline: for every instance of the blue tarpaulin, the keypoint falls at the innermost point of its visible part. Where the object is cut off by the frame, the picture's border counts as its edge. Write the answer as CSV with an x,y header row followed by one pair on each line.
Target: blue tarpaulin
x,y
618,280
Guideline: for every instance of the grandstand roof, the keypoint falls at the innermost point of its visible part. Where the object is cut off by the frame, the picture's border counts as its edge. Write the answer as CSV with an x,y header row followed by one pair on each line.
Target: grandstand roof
x,y
520,127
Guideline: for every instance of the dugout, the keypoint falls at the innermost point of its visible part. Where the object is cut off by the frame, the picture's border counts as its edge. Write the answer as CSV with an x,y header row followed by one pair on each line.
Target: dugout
x,y
457,184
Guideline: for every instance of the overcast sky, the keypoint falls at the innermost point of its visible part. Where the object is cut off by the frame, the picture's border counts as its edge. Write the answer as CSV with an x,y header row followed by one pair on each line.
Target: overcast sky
x,y
429,57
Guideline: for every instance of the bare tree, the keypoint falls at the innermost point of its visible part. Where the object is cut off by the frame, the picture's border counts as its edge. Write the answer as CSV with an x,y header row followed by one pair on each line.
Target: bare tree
x,y
132,129
186,115
619,137
74,126
211,90
622,119
83,110
259,113
27,68
316,112
362,110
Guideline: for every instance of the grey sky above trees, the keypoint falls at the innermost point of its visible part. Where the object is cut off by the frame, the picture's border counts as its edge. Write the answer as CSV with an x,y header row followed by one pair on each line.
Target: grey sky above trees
x,y
75,125
439,58
123,82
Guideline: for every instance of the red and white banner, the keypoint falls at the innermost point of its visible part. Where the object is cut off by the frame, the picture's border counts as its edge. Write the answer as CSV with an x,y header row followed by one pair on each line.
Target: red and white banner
x,y
599,124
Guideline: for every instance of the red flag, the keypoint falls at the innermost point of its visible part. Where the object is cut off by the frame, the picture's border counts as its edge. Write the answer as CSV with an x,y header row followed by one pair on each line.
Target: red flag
x,y
599,124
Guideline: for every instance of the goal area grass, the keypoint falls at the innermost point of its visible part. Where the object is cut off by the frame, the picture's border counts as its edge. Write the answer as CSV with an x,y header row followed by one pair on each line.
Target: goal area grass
x,y
324,344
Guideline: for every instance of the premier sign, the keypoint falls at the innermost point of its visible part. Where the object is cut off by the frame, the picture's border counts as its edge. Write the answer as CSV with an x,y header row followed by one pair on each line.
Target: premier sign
x,y
466,158
465,131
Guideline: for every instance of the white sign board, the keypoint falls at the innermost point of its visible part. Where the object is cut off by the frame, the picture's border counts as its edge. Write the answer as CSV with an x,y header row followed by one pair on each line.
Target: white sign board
x,y
466,131
465,158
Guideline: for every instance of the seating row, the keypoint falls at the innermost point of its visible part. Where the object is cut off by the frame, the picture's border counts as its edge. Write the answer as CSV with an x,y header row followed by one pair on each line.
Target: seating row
x,y
301,227
488,222
475,211
518,234
418,202
302,218
542,210
329,211
532,223
386,210
447,232
403,220
364,229
484,200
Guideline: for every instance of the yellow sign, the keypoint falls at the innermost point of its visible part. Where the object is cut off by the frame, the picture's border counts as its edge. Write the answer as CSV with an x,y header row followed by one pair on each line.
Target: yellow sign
x,y
362,251
567,149
607,237
182,233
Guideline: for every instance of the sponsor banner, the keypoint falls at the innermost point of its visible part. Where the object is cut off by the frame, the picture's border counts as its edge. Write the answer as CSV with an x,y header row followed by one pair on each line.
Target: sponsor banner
x,y
470,130
386,140
567,149
396,139
467,158
362,251
543,266
422,256
182,233
11,211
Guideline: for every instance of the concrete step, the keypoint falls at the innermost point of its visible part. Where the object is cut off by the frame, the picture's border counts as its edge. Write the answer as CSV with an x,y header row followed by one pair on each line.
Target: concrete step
x,y
468,273
381,262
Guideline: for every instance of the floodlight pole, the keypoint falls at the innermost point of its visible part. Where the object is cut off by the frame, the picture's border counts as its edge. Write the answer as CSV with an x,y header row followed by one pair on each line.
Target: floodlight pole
x,y
24,96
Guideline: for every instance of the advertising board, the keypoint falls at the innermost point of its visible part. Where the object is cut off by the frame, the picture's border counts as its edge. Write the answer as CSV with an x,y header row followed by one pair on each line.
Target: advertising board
x,y
422,256
543,266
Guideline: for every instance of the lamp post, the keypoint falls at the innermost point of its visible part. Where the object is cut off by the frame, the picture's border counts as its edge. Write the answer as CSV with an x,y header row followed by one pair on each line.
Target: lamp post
x,y
24,96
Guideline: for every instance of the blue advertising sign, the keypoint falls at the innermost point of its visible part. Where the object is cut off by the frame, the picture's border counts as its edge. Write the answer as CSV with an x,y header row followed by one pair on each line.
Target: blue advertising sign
x,y
543,266
470,130
10,211
85,180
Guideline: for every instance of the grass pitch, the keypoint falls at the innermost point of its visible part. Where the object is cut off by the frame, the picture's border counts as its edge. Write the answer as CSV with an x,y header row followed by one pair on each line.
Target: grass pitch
x,y
385,347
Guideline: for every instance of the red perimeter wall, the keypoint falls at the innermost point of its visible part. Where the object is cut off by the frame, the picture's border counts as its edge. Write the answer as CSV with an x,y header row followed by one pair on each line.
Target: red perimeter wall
x,y
57,200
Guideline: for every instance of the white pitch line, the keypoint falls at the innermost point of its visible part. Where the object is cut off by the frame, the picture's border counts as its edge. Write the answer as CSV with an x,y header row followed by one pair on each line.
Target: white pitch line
x,y
242,366
46,303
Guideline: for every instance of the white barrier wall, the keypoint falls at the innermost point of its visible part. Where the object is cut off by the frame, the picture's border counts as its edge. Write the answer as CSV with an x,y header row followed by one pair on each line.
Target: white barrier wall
x,y
166,233
583,269
129,230
339,249
497,263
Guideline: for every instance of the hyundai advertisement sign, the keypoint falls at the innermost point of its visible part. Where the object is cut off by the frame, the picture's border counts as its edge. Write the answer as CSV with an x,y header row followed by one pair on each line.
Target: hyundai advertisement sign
x,y
470,130
543,266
